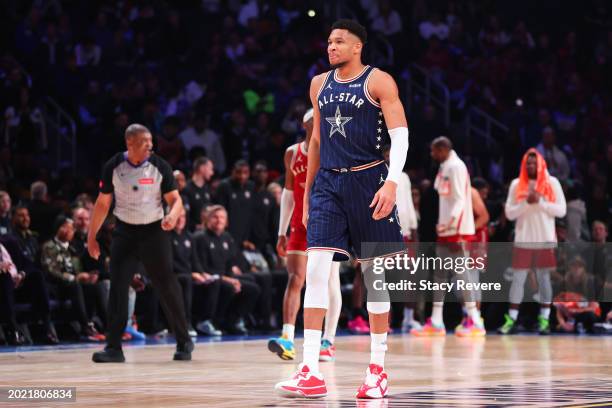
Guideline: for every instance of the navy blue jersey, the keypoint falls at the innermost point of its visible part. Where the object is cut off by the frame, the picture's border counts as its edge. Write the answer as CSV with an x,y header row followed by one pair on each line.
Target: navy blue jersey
x,y
353,130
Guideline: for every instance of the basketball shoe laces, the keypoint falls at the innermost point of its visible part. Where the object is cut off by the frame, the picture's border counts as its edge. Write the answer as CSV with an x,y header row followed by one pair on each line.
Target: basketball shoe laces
x,y
373,378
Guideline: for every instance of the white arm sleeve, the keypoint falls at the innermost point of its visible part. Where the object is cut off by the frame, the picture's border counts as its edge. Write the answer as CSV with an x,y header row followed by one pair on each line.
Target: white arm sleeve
x,y
398,153
286,209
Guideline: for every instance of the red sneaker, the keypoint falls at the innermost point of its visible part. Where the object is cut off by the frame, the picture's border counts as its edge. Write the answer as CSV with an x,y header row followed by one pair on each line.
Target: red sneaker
x,y
375,384
303,384
359,326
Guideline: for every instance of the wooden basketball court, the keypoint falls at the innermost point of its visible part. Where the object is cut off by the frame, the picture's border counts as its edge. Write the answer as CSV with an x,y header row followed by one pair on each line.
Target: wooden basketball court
x,y
528,371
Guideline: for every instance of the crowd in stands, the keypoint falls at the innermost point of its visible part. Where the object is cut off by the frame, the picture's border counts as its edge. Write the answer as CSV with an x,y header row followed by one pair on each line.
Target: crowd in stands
x,y
223,87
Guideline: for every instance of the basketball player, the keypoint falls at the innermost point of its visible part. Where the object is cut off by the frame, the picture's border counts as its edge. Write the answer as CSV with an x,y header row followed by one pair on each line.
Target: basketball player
x,y
476,248
454,229
292,200
534,200
352,199
408,220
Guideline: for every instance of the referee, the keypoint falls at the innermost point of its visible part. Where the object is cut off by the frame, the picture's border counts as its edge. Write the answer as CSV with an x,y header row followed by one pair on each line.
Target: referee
x,y
138,180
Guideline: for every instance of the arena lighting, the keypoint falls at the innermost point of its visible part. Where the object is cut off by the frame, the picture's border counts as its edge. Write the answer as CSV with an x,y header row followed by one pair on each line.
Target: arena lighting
x,y
311,13
519,102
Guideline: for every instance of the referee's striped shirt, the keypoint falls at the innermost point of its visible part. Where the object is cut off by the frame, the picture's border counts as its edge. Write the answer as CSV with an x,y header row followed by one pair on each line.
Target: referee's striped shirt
x,y
138,190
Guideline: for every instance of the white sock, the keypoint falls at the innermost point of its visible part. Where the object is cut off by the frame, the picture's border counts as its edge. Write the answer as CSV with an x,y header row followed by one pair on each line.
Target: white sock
x,y
378,346
436,314
473,312
513,313
312,346
545,312
335,303
408,316
288,331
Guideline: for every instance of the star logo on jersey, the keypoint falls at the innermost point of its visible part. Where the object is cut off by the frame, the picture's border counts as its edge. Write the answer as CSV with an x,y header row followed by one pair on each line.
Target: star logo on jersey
x,y
337,123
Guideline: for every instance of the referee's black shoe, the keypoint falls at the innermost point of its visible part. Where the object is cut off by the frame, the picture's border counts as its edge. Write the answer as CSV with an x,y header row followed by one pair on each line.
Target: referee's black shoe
x,y
108,355
183,351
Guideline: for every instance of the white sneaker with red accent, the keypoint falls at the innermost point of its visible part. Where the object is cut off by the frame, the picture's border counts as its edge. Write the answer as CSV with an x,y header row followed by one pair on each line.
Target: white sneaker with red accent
x,y
375,384
303,384
327,352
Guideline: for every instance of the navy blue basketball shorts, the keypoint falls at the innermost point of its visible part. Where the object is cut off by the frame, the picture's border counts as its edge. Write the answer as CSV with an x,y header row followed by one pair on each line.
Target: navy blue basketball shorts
x,y
340,217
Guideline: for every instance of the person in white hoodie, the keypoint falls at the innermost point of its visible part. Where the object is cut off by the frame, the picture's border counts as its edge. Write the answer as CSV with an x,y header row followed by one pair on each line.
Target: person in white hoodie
x,y
408,220
534,200
455,228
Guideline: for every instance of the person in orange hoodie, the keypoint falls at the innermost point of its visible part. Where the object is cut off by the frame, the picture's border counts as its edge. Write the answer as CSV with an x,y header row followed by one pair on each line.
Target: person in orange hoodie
x,y
534,200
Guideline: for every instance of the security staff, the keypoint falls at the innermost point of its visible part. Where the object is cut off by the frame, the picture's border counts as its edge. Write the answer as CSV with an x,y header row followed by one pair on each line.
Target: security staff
x,y
138,180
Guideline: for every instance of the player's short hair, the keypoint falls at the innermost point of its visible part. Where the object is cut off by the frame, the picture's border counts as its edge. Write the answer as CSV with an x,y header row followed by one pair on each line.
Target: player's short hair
x,y
240,163
479,183
200,161
135,129
352,27
211,209
261,163
38,190
599,222
442,141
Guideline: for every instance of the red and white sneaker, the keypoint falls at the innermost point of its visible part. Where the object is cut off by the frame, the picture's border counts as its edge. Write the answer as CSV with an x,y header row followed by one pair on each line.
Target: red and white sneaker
x,y
303,384
375,384
327,352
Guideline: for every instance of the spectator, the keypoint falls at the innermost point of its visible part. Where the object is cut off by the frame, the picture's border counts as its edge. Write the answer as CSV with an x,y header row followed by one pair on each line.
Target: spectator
x,y
219,255
199,135
575,308
85,263
577,224
194,281
197,190
10,279
388,21
262,233
235,138
57,258
5,213
87,53
433,27
42,212
26,254
169,145
556,160
25,126
236,194
601,266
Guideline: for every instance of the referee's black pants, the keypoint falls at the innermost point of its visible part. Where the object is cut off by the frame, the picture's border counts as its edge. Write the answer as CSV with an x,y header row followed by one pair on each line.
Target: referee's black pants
x,y
150,245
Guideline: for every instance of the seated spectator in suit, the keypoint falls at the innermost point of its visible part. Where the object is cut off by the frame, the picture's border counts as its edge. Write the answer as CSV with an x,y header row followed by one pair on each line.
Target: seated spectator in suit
x,y
575,306
57,258
200,289
10,279
5,213
219,255
23,246
86,263
42,212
